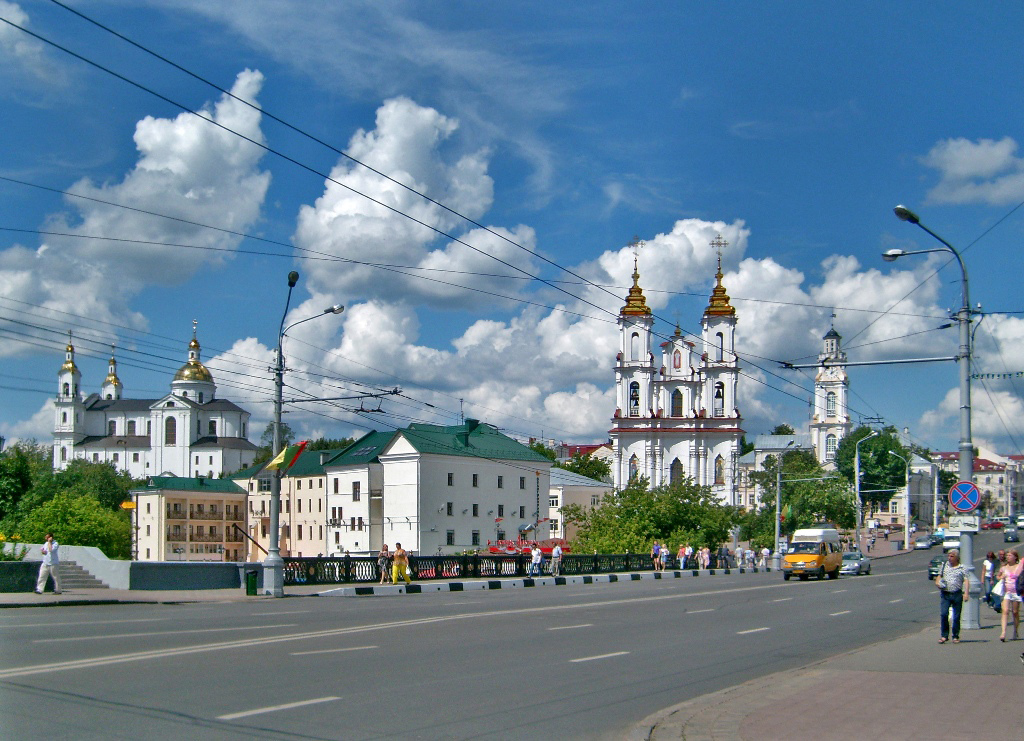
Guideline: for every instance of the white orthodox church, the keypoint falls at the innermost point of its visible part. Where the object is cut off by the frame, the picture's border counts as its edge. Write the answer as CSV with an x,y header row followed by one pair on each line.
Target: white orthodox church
x,y
677,415
830,418
188,432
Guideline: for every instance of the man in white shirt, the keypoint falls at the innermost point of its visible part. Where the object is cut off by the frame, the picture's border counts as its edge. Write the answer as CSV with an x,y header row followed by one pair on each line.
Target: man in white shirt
x,y
536,561
50,565
556,560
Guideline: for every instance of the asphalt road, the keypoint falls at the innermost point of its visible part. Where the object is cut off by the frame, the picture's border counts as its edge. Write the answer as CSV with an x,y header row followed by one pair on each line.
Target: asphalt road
x,y
582,662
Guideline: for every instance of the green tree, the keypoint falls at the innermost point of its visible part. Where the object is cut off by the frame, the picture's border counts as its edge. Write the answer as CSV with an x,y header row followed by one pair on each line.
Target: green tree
x,y
783,430
20,465
633,518
79,519
882,475
538,447
265,451
588,465
326,443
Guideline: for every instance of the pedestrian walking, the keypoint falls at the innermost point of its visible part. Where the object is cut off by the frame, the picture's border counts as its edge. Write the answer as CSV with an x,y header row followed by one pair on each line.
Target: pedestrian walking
x,y
988,576
50,565
556,560
681,556
1011,597
655,556
382,563
536,560
400,564
765,554
953,585
664,556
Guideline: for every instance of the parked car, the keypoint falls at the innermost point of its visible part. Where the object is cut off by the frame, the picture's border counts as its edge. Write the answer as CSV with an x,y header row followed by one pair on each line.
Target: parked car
x,y
923,543
935,566
991,525
855,562
1011,535
936,538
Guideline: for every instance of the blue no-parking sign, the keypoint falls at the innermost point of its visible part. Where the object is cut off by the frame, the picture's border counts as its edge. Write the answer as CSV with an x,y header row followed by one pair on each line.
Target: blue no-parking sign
x,y
964,496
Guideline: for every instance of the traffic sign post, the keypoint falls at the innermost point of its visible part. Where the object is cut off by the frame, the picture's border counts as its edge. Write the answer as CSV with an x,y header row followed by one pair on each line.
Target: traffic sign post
x,y
964,496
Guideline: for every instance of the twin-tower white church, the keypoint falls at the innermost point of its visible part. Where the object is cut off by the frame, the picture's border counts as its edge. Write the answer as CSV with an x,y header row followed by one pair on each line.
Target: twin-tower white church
x,y
677,413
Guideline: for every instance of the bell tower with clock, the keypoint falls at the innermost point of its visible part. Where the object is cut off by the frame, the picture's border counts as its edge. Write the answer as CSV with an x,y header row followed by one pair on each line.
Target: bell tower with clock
x,y
830,419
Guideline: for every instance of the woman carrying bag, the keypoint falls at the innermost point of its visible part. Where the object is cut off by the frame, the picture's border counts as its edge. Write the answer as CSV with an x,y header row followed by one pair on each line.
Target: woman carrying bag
x,y
1011,598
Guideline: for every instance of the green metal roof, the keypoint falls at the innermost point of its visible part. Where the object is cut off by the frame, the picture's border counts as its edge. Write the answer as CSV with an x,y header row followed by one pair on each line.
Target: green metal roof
x,y
364,450
250,472
471,439
178,483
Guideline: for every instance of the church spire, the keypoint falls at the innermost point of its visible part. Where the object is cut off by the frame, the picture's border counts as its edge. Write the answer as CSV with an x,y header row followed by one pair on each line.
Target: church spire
x,y
636,304
719,304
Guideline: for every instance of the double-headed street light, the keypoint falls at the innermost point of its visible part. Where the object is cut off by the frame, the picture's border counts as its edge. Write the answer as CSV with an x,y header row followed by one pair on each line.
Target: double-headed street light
x,y
273,564
856,481
966,472
906,501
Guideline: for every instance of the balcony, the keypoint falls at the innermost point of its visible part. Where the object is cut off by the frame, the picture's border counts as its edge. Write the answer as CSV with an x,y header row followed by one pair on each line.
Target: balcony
x,y
176,514
206,515
207,538
176,537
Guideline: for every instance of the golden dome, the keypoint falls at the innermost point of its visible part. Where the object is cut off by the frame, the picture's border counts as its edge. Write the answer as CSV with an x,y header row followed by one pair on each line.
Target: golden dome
x,y
636,304
193,370
69,365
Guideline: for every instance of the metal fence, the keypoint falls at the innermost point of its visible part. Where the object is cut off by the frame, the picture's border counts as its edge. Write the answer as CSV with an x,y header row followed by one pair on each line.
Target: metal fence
x,y
364,569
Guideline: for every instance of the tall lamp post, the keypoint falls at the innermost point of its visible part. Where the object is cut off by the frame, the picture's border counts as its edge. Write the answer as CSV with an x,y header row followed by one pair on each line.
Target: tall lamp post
x,y
776,555
856,482
273,564
966,472
906,500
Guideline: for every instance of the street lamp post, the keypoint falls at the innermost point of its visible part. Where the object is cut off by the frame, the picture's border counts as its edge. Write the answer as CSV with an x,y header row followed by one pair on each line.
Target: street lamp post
x,y
966,472
856,483
273,564
906,501
776,555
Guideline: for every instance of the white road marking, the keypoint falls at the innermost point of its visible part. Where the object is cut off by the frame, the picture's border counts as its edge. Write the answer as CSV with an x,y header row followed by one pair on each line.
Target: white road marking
x,y
332,650
595,658
783,599
834,614
572,627
894,601
84,622
879,585
754,630
268,614
838,591
161,633
694,612
275,708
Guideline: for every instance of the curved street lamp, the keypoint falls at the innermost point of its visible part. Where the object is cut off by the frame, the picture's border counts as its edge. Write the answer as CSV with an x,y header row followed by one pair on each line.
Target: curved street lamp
x,y
856,482
966,469
273,564
906,500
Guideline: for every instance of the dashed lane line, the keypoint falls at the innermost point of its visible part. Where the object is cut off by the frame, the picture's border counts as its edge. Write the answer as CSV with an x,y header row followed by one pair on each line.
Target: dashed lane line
x,y
836,614
595,658
782,599
753,630
332,650
572,627
275,708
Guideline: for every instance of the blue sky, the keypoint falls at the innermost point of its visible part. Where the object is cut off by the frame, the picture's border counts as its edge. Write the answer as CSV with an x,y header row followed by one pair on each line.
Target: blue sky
x,y
792,129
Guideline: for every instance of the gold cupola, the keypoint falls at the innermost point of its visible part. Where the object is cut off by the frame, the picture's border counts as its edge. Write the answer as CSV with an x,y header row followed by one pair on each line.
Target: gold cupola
x,y
636,304
193,372
719,304
69,357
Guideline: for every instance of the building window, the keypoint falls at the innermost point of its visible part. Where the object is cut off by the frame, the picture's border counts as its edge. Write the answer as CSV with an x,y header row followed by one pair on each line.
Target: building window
x,y
149,428
356,490
501,482
213,426
360,523
450,537
894,507
500,535
300,531
476,480
298,484
115,457
131,428
595,499
95,457
719,347
522,512
264,483
719,401
501,510
554,525
634,399
474,538
111,428
170,431
450,508
63,454
831,442
677,403
675,471
451,479
298,505
522,482
335,486
553,501
830,404
147,507
476,510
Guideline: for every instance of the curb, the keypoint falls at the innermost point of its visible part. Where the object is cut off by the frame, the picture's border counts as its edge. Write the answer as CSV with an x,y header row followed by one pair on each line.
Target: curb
x,y
391,590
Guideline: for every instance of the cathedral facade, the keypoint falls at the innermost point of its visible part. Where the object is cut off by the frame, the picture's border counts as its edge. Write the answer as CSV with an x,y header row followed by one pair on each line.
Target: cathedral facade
x,y
187,432
677,415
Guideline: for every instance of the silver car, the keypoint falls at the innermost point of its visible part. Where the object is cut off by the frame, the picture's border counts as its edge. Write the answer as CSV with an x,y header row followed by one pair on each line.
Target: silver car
x,y
855,562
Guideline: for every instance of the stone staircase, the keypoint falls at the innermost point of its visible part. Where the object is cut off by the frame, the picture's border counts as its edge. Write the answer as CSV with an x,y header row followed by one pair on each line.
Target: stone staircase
x,y
73,576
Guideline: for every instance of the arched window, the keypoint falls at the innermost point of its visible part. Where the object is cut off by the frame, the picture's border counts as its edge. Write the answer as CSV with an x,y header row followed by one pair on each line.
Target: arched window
x,y
677,403
719,408
830,404
675,472
719,470
213,427
170,431
677,360
67,389
111,428
633,467
63,454
831,442
109,396
719,347
200,397
64,417
634,399
634,346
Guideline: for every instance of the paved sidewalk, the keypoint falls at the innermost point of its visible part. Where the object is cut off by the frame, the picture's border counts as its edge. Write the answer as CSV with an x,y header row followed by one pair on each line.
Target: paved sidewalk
x,y
903,689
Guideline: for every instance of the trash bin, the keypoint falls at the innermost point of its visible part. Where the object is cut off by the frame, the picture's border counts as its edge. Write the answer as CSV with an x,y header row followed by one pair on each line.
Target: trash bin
x,y
251,578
